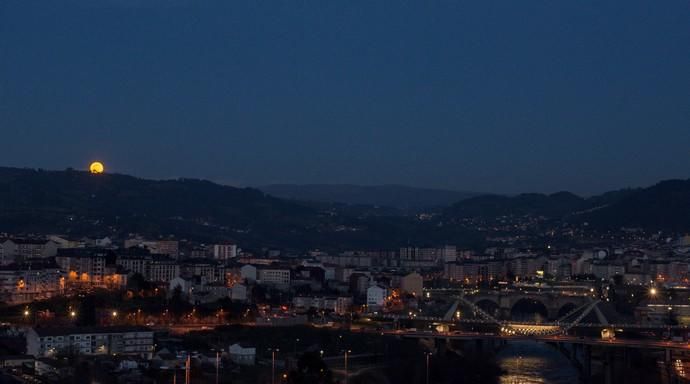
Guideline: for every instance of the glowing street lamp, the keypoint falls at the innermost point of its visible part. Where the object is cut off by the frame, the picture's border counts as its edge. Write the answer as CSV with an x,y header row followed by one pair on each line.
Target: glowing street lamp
x,y
73,314
428,354
273,364
652,291
347,351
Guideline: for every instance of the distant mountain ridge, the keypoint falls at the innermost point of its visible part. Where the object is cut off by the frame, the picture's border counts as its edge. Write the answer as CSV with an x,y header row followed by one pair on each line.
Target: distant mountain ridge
x,y
76,203
389,195
665,205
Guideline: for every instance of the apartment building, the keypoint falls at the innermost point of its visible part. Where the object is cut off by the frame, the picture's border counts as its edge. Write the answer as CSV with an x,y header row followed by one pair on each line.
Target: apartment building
x,y
120,340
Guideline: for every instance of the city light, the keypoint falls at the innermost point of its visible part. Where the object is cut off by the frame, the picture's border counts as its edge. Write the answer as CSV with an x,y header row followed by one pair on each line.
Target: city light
x,y
652,291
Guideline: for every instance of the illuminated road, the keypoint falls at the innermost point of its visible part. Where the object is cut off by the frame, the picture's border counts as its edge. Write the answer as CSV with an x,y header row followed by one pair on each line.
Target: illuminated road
x,y
644,344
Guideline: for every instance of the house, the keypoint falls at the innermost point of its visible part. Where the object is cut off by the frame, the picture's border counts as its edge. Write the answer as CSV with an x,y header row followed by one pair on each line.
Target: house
x,y
376,296
241,354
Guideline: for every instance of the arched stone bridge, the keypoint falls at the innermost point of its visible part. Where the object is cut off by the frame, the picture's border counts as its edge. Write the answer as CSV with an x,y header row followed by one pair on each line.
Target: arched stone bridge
x,y
501,304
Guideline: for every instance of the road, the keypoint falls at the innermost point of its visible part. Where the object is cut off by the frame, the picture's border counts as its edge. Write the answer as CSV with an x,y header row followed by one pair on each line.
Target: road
x,y
641,343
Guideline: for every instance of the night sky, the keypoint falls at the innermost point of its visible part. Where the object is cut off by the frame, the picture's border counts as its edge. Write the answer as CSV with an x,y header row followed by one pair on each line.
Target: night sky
x,y
491,96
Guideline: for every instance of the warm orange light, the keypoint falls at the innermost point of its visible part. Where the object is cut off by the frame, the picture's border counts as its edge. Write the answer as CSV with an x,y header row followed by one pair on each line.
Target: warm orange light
x,y
96,167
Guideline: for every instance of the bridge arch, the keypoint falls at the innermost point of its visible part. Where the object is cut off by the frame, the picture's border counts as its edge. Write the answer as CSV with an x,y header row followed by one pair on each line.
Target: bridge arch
x,y
529,309
489,306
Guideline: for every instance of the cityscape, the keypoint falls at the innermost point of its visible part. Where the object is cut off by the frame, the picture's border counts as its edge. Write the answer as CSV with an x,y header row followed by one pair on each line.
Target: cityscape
x,y
344,193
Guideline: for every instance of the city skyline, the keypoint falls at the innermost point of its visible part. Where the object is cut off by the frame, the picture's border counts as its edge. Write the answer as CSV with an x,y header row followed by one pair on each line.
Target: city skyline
x,y
329,192
505,98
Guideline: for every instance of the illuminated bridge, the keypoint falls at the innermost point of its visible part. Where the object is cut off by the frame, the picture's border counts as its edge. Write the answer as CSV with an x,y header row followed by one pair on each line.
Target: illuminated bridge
x,y
494,308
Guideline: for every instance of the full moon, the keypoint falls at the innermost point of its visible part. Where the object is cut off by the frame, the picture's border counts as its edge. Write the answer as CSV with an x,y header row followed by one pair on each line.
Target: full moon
x,y
96,167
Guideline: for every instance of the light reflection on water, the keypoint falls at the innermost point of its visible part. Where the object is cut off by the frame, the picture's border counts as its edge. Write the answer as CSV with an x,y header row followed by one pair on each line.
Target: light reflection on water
x,y
527,362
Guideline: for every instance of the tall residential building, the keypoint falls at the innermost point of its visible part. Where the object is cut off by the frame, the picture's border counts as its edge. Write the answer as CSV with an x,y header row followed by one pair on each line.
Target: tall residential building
x,y
224,251
19,285
157,268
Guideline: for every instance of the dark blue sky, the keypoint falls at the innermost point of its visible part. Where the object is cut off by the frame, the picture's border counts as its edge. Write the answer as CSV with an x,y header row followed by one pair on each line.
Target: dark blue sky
x,y
497,96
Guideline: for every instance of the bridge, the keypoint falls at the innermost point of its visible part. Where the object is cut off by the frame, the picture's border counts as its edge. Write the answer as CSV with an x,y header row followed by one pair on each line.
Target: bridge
x,y
566,331
501,304
571,310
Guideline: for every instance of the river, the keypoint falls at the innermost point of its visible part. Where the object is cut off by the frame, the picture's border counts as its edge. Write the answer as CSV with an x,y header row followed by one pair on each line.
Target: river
x,y
527,362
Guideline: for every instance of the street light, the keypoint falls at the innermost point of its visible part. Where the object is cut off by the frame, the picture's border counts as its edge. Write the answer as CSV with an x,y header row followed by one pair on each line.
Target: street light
x,y
273,364
73,314
428,354
347,351
217,365
652,291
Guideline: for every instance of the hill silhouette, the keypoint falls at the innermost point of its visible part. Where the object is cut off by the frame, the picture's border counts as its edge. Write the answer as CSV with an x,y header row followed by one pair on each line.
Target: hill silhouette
x,y
394,196
77,203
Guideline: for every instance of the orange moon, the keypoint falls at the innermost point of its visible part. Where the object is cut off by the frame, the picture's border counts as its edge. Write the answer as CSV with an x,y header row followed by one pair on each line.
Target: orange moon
x,y
96,167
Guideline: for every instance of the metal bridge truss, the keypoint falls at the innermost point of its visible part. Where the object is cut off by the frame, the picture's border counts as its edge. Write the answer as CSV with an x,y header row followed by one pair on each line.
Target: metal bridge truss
x,y
548,329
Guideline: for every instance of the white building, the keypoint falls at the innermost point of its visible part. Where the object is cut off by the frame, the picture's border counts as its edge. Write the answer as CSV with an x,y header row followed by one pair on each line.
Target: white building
x,y
186,286
242,355
224,251
376,296
154,268
19,250
275,276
